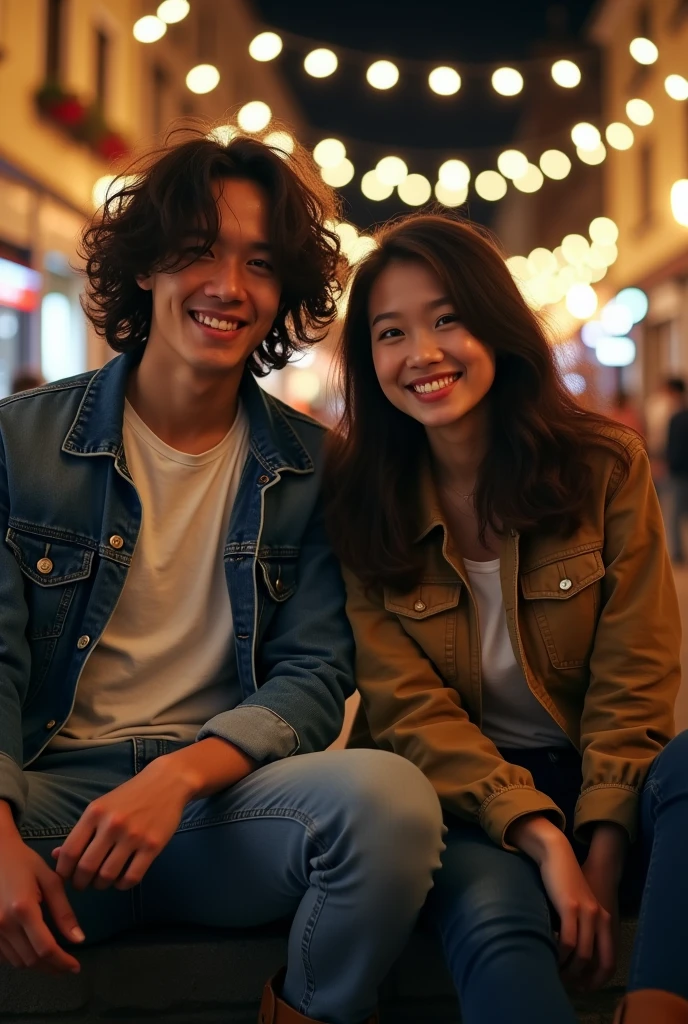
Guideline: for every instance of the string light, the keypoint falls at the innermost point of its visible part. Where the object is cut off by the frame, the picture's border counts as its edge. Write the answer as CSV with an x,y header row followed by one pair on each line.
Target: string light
x,y
373,188
149,29
581,301
173,11
382,74
449,196
338,176
643,50
615,351
414,190
519,267
639,112
608,254
283,142
490,185
575,248
555,164
592,156
266,46
444,81
329,153
677,87
320,63
391,170
254,116
531,181
566,74
454,175
542,261
603,230
512,163
635,300
507,81
679,201
585,136
619,135
616,318
591,333
203,78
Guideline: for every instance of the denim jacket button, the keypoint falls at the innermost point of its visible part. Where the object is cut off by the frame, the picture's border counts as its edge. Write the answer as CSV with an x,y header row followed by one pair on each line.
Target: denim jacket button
x,y
83,641
116,542
419,606
51,724
279,586
263,479
565,585
44,566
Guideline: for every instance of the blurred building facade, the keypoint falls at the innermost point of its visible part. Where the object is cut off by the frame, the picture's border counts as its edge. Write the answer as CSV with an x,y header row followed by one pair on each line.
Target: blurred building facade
x,y
653,246
84,95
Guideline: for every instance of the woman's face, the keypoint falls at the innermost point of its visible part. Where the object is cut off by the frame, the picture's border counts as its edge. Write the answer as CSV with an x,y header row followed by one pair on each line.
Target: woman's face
x,y
428,364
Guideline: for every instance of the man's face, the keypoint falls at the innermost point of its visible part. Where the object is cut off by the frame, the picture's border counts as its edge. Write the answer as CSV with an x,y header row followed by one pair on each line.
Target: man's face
x,y
212,314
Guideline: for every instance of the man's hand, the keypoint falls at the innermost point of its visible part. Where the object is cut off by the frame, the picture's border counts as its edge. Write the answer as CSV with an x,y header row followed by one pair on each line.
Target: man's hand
x,y
604,867
26,881
120,834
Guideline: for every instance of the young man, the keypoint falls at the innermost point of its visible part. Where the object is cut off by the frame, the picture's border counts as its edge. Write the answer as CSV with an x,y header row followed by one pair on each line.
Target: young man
x,y
171,616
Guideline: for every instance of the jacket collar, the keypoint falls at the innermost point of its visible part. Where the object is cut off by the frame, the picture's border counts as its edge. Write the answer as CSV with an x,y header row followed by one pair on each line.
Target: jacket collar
x,y
97,426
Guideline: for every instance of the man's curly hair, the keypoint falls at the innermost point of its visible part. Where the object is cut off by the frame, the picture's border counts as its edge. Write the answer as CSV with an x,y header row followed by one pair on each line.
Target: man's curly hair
x,y
165,197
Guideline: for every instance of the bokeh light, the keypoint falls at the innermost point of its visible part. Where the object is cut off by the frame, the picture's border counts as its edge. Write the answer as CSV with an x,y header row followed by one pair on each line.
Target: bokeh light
x,y
566,74
616,318
643,50
254,116
619,135
391,170
173,11
585,136
555,164
591,333
639,112
382,74
592,156
636,301
329,153
444,81
414,190
507,81
451,196
615,351
603,230
490,185
320,63
679,201
283,142
677,87
204,78
454,174
149,29
266,46
575,248
373,188
338,176
531,181
512,163
581,301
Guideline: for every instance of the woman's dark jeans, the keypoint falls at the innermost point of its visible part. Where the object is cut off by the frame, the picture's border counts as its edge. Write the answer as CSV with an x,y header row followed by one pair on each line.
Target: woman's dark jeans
x,y
495,920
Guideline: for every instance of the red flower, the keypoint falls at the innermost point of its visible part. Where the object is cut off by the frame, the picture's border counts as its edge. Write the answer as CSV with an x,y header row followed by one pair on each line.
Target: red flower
x,y
112,146
68,111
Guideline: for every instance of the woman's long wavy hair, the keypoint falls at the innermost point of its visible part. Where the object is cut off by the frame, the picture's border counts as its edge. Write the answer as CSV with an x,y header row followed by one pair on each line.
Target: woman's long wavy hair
x,y
535,474
168,195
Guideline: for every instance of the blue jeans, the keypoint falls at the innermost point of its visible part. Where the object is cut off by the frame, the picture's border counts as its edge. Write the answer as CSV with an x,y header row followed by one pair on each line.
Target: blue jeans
x,y
344,841
494,918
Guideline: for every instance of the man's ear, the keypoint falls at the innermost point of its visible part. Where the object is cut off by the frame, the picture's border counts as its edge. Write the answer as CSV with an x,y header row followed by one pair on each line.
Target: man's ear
x,y
145,281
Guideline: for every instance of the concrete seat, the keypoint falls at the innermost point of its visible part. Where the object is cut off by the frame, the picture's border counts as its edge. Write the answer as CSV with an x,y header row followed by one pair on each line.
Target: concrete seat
x,y
184,975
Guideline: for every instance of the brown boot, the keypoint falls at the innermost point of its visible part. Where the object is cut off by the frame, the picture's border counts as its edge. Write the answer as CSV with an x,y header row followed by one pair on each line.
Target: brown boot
x,y
274,1010
652,1006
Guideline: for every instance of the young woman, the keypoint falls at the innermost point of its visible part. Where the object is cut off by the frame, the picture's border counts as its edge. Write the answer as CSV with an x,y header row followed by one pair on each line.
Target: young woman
x,y
517,628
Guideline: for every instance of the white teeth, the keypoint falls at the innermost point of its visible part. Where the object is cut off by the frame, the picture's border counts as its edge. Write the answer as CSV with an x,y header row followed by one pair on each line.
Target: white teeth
x,y
214,323
222,325
218,325
435,385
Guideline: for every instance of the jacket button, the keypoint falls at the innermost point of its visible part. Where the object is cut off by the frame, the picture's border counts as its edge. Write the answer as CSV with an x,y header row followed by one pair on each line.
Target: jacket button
x,y
44,566
420,606
565,585
279,586
116,542
83,641
51,724
264,479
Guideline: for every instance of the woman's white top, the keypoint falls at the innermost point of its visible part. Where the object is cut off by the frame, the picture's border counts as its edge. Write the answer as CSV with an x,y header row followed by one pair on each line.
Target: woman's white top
x,y
512,717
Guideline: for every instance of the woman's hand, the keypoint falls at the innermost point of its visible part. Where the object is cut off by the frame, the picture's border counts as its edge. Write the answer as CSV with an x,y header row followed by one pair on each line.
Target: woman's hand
x,y
587,950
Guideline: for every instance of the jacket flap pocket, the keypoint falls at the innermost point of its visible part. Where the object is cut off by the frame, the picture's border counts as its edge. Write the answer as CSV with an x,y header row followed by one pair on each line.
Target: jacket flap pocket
x,y
562,577
424,600
48,562
279,575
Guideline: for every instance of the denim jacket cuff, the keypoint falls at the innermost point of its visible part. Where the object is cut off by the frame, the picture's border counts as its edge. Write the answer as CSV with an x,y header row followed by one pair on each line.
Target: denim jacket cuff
x,y
607,802
257,731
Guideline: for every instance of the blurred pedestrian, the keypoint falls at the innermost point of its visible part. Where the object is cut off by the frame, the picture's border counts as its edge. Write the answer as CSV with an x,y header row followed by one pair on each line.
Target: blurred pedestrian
x,y
26,378
624,411
661,405
677,460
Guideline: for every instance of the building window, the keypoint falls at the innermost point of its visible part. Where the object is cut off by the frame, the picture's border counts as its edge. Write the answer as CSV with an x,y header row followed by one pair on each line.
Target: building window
x,y
102,57
160,82
54,40
645,180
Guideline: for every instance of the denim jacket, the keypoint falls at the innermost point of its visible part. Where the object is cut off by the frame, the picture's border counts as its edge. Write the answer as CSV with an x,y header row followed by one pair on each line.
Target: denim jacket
x,y
69,521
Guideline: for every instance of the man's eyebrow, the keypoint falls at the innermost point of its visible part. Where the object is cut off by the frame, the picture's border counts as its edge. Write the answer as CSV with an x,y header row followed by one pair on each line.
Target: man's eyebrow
x,y
433,304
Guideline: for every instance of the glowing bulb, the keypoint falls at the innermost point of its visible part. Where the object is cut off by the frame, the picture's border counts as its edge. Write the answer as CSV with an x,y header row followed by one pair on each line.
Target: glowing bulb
x,y
490,185
643,50
507,81
149,29
203,78
615,351
444,81
348,235
591,333
585,136
592,156
679,201
382,74
101,189
172,11
222,134
329,153
542,261
555,164
566,74
254,116
454,175
512,163
519,267
606,254
266,46
320,63
619,135
581,301
414,190
616,318
639,112
391,170
636,301
451,196
373,188
676,87
575,248
531,181
281,141
338,176
603,230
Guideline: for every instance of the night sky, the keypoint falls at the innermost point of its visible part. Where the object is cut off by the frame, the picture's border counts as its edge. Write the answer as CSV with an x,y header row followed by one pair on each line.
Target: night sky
x,y
410,120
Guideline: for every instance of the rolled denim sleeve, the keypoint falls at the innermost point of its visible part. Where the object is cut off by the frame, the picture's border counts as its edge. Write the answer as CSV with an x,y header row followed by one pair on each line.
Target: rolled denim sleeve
x,y
258,732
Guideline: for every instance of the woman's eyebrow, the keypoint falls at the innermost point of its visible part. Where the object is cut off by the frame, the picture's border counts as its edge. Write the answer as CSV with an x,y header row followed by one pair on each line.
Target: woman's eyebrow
x,y
433,304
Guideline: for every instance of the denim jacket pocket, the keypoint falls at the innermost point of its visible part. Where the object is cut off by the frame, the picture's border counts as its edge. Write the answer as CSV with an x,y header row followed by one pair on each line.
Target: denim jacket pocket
x,y
278,573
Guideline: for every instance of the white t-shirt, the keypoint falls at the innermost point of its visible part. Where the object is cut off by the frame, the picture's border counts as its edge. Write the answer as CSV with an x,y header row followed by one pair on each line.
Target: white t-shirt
x,y
512,716
165,664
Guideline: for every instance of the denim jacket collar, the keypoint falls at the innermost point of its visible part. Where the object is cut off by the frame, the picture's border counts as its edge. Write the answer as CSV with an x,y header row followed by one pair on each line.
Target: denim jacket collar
x,y
97,427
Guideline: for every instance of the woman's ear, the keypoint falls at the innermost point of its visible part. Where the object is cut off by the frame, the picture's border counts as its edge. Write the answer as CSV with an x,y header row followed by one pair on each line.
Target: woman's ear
x,y
145,281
